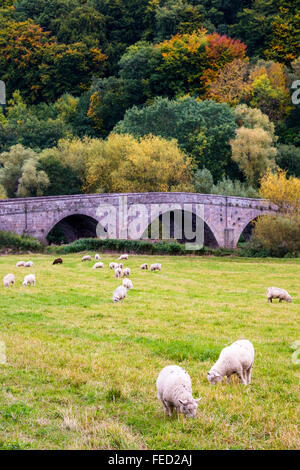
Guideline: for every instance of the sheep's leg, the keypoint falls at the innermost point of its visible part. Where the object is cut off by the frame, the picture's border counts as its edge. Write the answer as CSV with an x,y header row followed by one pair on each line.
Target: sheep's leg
x,y
167,409
228,379
249,371
280,299
240,375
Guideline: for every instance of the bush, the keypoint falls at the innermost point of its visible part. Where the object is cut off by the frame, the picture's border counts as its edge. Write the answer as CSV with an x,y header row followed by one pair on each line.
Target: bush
x,y
19,242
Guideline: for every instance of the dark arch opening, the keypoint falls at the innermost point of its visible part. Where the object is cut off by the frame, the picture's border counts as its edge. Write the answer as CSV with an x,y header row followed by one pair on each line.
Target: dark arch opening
x,y
247,232
185,218
72,228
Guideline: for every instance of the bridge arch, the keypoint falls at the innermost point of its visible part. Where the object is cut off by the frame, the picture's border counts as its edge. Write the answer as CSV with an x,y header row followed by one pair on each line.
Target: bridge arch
x,y
181,222
246,229
71,227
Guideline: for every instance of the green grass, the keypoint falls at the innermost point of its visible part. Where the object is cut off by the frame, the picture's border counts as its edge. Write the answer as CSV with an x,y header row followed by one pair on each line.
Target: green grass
x,y
81,371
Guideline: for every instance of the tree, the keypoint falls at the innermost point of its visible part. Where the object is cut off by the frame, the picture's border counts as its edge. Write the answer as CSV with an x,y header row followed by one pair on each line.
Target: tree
x,y
42,69
253,151
110,97
177,16
253,118
18,173
280,233
269,91
123,164
288,158
282,191
203,129
203,181
32,127
62,178
32,182
232,84
285,38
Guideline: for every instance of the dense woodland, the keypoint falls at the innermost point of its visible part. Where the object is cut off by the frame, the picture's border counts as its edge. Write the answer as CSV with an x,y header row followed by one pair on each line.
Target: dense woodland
x,y
139,95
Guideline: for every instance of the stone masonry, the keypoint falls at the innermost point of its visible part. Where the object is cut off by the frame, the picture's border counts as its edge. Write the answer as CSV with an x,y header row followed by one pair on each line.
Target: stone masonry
x,y
225,216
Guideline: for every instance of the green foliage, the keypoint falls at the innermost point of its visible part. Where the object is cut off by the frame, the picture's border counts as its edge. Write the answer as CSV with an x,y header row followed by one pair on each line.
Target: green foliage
x,y
19,242
62,178
203,129
288,158
203,181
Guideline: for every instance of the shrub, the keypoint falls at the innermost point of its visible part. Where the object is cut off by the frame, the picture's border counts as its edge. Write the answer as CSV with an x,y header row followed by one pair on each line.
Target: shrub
x,y
19,242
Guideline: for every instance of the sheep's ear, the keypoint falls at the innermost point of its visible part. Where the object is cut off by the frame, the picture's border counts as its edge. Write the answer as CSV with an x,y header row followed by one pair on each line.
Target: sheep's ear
x,y
198,399
182,402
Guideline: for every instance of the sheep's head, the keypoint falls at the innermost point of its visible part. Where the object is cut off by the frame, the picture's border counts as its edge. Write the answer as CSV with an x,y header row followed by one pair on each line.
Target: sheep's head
x,y
214,377
188,407
24,284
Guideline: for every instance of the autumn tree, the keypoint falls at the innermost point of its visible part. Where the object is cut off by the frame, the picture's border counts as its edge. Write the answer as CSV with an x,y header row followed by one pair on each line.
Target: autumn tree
x,y
280,233
253,151
123,164
232,84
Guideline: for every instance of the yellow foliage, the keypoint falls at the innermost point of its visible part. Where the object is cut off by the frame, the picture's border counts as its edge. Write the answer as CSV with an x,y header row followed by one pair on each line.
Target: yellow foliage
x,y
282,191
124,164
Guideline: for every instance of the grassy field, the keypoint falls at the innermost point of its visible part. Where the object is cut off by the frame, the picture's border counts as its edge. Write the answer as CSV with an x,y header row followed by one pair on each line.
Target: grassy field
x,y
81,371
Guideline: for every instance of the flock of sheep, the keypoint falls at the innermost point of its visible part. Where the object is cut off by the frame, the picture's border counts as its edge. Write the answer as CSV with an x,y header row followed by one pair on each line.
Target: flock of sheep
x,y
120,292
174,386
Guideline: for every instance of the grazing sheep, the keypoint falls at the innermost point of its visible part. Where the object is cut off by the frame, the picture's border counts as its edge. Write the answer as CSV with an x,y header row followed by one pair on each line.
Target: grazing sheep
x,y
86,258
123,257
97,257
120,265
57,261
119,294
113,265
144,266
118,272
20,263
28,264
127,283
237,359
8,280
276,293
29,280
98,265
155,267
174,390
126,272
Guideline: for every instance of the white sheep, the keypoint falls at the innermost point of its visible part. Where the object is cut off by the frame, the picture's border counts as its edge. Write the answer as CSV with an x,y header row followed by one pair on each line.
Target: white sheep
x,y
98,265
237,359
127,283
119,294
97,256
277,293
118,272
29,280
120,265
155,267
126,272
28,264
8,280
20,263
113,265
174,390
123,257
86,258
144,266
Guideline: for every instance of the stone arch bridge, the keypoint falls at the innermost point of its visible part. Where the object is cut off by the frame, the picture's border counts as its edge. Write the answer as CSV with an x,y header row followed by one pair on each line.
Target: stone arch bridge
x,y
225,217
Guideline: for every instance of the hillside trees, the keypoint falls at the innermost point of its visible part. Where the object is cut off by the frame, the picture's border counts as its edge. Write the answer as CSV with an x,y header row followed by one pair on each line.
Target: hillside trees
x,y
203,129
